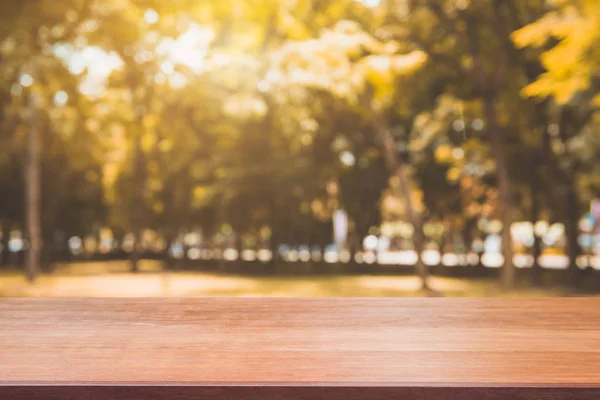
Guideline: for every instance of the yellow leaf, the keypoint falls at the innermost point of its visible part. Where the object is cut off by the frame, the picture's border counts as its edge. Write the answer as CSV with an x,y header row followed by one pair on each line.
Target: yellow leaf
x,y
453,174
443,154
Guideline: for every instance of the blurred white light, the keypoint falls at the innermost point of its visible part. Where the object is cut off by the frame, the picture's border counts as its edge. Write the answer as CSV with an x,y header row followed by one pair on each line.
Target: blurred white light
x,y
151,16
77,66
144,56
406,257
316,255
458,125
370,242
554,261
347,158
582,262
283,249
26,80
492,260
106,245
477,124
540,228
523,260
358,258
304,255
463,260
248,255
595,263
383,244
274,76
492,244
167,67
370,3
596,244
406,230
191,239
263,86
293,256
193,254
265,255
458,153
128,243
230,254
523,232
189,49
177,80
60,98
586,224
345,256
160,79
369,258
331,257
495,226
309,125
450,259
386,258
549,239
15,245
431,257
556,229
220,60
75,243
176,251
483,224
477,245
472,258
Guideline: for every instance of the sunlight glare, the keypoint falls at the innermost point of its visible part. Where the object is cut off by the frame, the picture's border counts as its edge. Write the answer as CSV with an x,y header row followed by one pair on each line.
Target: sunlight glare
x,y
189,49
151,16
167,67
60,98
26,80
370,3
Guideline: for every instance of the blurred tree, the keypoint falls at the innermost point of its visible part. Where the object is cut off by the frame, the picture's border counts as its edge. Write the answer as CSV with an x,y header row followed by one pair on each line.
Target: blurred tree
x,y
567,37
29,35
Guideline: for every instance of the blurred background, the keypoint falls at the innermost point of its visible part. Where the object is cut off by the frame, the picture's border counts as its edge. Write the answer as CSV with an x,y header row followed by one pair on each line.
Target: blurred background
x,y
299,148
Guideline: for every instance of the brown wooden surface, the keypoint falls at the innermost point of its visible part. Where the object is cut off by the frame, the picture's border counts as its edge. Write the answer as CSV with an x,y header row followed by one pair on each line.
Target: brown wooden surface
x,y
290,348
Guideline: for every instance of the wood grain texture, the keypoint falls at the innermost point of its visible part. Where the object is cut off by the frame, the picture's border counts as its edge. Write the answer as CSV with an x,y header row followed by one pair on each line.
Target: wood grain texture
x,y
247,348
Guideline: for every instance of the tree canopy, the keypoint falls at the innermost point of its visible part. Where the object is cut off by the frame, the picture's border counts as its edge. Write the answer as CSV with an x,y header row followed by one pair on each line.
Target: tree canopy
x,y
257,120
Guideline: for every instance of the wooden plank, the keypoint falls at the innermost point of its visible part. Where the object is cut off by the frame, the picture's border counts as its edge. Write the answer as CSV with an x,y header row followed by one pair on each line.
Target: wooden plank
x,y
248,348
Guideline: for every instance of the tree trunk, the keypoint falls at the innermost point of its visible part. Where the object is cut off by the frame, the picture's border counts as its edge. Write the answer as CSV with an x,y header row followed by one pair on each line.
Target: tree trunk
x,y
137,200
572,232
399,169
536,271
32,190
415,219
167,260
135,253
504,188
4,244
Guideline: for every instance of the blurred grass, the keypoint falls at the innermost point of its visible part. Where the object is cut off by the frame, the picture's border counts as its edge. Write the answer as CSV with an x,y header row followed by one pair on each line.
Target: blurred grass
x,y
112,279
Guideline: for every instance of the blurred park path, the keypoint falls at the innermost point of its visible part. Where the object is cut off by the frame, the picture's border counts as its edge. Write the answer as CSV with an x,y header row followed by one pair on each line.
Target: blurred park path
x,y
112,279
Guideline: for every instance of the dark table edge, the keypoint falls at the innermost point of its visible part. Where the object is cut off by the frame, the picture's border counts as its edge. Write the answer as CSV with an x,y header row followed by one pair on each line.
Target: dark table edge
x,y
295,392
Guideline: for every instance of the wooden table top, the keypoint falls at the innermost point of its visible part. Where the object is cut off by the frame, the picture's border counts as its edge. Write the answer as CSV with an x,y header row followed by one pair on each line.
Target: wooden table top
x,y
551,344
